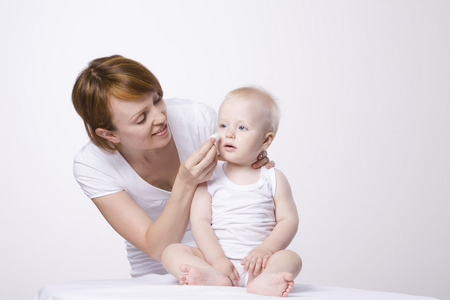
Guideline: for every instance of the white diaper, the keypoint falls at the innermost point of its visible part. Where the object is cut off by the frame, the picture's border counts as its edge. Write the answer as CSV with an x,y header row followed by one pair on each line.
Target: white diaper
x,y
242,274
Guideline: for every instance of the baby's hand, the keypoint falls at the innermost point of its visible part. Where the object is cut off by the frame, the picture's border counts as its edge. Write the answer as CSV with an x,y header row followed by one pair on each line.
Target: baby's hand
x,y
226,267
256,260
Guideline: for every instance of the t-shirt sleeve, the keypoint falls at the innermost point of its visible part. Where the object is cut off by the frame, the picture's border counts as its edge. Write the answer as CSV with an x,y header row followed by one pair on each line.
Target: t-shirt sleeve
x,y
96,178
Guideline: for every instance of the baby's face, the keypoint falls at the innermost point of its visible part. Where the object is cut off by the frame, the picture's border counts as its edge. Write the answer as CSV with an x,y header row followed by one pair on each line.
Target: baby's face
x,y
242,127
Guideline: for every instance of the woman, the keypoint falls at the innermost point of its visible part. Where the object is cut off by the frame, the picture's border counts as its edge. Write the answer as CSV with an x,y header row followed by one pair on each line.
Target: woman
x,y
145,157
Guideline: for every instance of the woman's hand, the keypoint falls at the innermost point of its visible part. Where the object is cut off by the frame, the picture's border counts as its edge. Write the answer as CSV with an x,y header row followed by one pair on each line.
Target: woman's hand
x,y
199,166
256,260
263,160
226,267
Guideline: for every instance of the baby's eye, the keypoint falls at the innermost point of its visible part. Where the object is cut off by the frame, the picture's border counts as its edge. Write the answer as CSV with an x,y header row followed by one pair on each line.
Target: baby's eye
x,y
222,126
242,128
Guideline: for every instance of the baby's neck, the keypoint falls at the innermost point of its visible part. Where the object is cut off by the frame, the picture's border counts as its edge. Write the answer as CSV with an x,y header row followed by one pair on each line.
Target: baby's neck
x,y
241,174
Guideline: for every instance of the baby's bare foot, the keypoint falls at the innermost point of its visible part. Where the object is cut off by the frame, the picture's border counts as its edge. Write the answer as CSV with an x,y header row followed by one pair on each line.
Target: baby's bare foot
x,y
272,284
196,276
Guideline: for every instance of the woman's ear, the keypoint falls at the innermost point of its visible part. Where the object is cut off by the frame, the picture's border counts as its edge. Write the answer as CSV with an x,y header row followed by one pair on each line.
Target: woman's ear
x,y
268,138
107,135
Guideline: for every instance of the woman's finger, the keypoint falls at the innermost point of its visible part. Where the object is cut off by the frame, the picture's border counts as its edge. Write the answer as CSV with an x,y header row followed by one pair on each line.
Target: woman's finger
x,y
270,164
263,162
199,154
262,155
208,162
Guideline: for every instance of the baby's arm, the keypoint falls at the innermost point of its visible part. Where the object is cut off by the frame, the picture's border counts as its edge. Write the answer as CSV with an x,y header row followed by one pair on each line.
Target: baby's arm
x,y
205,237
284,231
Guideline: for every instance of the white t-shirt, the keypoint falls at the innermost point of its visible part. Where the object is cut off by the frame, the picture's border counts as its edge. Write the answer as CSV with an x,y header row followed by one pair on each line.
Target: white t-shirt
x,y
100,173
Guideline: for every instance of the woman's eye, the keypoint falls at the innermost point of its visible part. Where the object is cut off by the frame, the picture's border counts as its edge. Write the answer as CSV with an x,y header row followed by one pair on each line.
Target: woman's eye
x,y
158,99
142,119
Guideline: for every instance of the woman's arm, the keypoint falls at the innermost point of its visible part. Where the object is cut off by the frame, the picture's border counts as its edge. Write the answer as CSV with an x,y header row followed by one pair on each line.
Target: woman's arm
x,y
149,236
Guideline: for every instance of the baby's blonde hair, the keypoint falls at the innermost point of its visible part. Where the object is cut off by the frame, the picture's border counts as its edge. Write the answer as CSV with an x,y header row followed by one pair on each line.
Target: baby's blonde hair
x,y
274,111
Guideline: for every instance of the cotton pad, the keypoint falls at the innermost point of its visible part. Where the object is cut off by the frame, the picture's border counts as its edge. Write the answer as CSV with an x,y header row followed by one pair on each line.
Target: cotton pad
x,y
215,136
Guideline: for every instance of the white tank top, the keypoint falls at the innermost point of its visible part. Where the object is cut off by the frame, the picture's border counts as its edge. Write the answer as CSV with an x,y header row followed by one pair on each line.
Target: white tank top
x,y
242,215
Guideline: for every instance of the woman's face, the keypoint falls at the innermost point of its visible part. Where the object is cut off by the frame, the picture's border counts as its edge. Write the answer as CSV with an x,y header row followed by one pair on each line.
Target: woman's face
x,y
141,123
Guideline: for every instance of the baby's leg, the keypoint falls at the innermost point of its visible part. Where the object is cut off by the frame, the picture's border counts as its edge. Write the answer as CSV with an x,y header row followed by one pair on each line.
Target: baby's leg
x,y
277,279
188,265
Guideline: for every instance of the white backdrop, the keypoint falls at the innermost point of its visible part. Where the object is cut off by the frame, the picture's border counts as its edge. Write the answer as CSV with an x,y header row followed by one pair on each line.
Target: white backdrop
x,y
364,139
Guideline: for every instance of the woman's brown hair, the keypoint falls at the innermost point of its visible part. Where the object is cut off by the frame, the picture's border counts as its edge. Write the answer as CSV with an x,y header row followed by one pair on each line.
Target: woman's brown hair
x,y
106,77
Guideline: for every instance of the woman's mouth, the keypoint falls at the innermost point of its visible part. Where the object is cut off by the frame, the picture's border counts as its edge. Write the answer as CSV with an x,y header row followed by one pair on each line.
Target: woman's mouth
x,y
162,131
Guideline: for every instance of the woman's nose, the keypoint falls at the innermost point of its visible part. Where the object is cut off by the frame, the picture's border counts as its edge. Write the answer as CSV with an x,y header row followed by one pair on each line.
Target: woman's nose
x,y
158,116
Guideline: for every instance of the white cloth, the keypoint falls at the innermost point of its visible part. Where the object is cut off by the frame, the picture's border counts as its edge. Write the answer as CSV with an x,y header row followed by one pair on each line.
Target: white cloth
x,y
165,287
100,173
242,215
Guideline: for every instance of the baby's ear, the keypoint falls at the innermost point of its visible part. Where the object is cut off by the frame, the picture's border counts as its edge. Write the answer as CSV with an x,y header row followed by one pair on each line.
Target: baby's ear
x,y
268,138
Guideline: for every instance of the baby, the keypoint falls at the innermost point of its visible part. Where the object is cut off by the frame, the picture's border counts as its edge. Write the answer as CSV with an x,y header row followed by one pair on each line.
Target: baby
x,y
243,218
